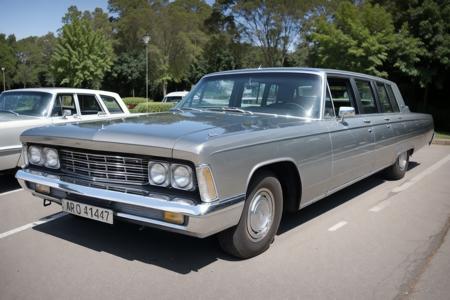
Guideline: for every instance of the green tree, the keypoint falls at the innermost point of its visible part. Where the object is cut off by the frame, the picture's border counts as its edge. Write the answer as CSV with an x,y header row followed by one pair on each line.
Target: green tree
x,y
362,38
82,55
427,21
272,25
8,59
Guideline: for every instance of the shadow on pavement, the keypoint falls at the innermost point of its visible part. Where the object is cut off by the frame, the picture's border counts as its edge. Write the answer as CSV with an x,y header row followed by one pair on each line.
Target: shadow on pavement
x,y
175,252
8,182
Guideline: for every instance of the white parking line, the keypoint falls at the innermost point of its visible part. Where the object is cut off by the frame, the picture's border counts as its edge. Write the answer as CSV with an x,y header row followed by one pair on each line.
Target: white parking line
x,y
337,226
409,183
380,206
31,225
10,192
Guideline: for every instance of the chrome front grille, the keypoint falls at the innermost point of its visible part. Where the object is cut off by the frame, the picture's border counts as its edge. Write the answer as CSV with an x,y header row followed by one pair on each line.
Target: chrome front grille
x,y
103,167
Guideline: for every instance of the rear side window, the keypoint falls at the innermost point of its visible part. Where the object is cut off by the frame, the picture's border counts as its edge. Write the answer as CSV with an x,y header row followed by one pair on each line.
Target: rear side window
x,y
384,98
341,93
111,104
88,105
367,97
392,98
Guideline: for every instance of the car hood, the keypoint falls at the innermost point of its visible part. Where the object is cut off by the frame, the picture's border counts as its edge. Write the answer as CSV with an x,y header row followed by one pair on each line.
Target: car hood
x,y
158,132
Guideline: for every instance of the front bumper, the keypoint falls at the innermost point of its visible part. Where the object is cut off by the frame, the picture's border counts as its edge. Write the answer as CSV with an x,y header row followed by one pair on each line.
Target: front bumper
x,y
202,219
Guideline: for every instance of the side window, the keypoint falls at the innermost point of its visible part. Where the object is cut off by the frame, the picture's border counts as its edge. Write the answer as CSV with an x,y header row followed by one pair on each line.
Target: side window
x,y
272,94
111,104
384,98
252,93
88,105
329,111
392,98
63,102
366,96
341,93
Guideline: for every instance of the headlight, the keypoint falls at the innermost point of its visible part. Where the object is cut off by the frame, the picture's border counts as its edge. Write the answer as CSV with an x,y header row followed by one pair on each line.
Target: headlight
x,y
182,177
35,155
51,158
158,173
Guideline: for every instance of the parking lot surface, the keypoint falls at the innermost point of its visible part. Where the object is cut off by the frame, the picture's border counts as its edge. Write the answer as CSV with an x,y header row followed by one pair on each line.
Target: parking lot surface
x,y
376,239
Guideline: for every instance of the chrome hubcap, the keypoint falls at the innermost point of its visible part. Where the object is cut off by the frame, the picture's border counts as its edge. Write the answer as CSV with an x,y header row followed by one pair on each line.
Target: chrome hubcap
x,y
260,214
403,160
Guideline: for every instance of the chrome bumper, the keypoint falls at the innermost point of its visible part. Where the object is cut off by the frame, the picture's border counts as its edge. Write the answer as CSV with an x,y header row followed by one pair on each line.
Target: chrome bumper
x,y
202,219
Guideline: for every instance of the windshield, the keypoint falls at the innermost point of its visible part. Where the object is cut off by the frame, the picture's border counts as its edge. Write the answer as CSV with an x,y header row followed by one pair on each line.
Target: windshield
x,y
25,103
292,94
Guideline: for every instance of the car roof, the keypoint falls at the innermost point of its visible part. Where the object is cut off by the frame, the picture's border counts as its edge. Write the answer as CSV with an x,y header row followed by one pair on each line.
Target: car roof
x,y
179,93
319,71
55,90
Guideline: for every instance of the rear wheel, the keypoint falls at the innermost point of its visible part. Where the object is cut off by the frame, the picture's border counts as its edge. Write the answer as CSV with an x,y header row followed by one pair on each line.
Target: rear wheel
x,y
399,168
259,221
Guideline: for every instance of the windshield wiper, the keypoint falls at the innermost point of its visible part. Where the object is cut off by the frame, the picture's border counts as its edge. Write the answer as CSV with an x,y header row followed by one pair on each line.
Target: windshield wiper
x,y
185,108
9,111
232,109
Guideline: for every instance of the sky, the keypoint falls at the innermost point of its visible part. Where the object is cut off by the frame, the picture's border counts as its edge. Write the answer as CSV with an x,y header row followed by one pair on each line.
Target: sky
x,y
25,18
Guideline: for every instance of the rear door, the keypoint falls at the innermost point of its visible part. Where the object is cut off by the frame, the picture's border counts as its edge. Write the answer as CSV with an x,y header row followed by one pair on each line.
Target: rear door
x,y
353,137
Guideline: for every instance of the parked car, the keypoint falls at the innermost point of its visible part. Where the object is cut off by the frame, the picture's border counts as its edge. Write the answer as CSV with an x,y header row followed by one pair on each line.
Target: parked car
x,y
26,108
174,97
218,164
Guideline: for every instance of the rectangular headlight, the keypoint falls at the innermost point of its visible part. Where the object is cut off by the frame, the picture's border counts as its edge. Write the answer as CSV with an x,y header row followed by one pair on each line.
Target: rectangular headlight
x,y
158,173
182,177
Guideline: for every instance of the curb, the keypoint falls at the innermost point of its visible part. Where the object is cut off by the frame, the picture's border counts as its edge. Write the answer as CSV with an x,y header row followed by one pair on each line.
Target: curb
x,y
441,142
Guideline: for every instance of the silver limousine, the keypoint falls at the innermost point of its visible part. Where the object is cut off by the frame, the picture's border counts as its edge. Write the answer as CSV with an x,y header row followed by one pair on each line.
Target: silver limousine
x,y
238,151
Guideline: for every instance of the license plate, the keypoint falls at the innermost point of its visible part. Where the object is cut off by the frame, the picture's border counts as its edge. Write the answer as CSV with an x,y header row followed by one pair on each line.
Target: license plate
x,y
88,211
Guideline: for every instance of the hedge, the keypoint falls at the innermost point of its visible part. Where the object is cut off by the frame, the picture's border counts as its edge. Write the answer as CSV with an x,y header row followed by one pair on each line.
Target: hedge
x,y
131,102
152,107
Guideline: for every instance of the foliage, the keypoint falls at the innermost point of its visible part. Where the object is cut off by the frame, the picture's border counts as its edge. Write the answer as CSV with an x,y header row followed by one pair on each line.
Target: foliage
x,y
272,25
82,55
362,38
152,107
131,102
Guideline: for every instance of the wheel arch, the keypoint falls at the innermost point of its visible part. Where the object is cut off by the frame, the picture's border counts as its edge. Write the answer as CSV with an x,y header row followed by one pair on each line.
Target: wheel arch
x,y
288,174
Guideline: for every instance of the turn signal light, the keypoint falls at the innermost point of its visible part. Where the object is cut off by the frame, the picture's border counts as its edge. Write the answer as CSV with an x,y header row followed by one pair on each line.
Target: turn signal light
x,y
172,217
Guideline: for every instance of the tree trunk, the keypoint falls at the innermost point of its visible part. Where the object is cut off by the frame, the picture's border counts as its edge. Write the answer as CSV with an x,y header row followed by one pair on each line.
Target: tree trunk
x,y
164,86
425,99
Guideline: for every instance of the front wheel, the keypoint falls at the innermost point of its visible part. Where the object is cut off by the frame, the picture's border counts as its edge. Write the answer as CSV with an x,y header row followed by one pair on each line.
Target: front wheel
x,y
259,221
399,168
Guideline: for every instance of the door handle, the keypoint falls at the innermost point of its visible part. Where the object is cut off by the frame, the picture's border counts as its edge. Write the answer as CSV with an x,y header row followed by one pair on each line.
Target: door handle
x,y
387,119
366,121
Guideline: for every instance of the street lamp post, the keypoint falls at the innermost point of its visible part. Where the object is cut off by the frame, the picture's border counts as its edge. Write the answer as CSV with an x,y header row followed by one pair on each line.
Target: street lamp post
x,y
4,85
146,40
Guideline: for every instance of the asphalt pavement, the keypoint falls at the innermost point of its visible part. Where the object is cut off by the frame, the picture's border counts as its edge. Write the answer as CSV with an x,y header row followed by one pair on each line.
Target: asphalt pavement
x,y
376,239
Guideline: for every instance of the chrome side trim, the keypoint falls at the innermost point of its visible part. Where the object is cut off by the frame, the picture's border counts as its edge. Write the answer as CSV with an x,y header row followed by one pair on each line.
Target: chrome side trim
x,y
8,150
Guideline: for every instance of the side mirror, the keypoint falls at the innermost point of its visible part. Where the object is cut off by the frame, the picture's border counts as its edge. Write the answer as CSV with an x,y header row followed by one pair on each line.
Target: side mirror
x,y
66,113
345,112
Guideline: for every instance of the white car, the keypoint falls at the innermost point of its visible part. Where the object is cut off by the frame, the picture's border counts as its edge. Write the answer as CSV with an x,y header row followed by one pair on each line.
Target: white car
x,y
22,109
174,97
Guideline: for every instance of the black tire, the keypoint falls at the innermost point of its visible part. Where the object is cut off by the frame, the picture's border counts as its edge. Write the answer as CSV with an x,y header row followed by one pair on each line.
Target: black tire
x,y
238,241
399,168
